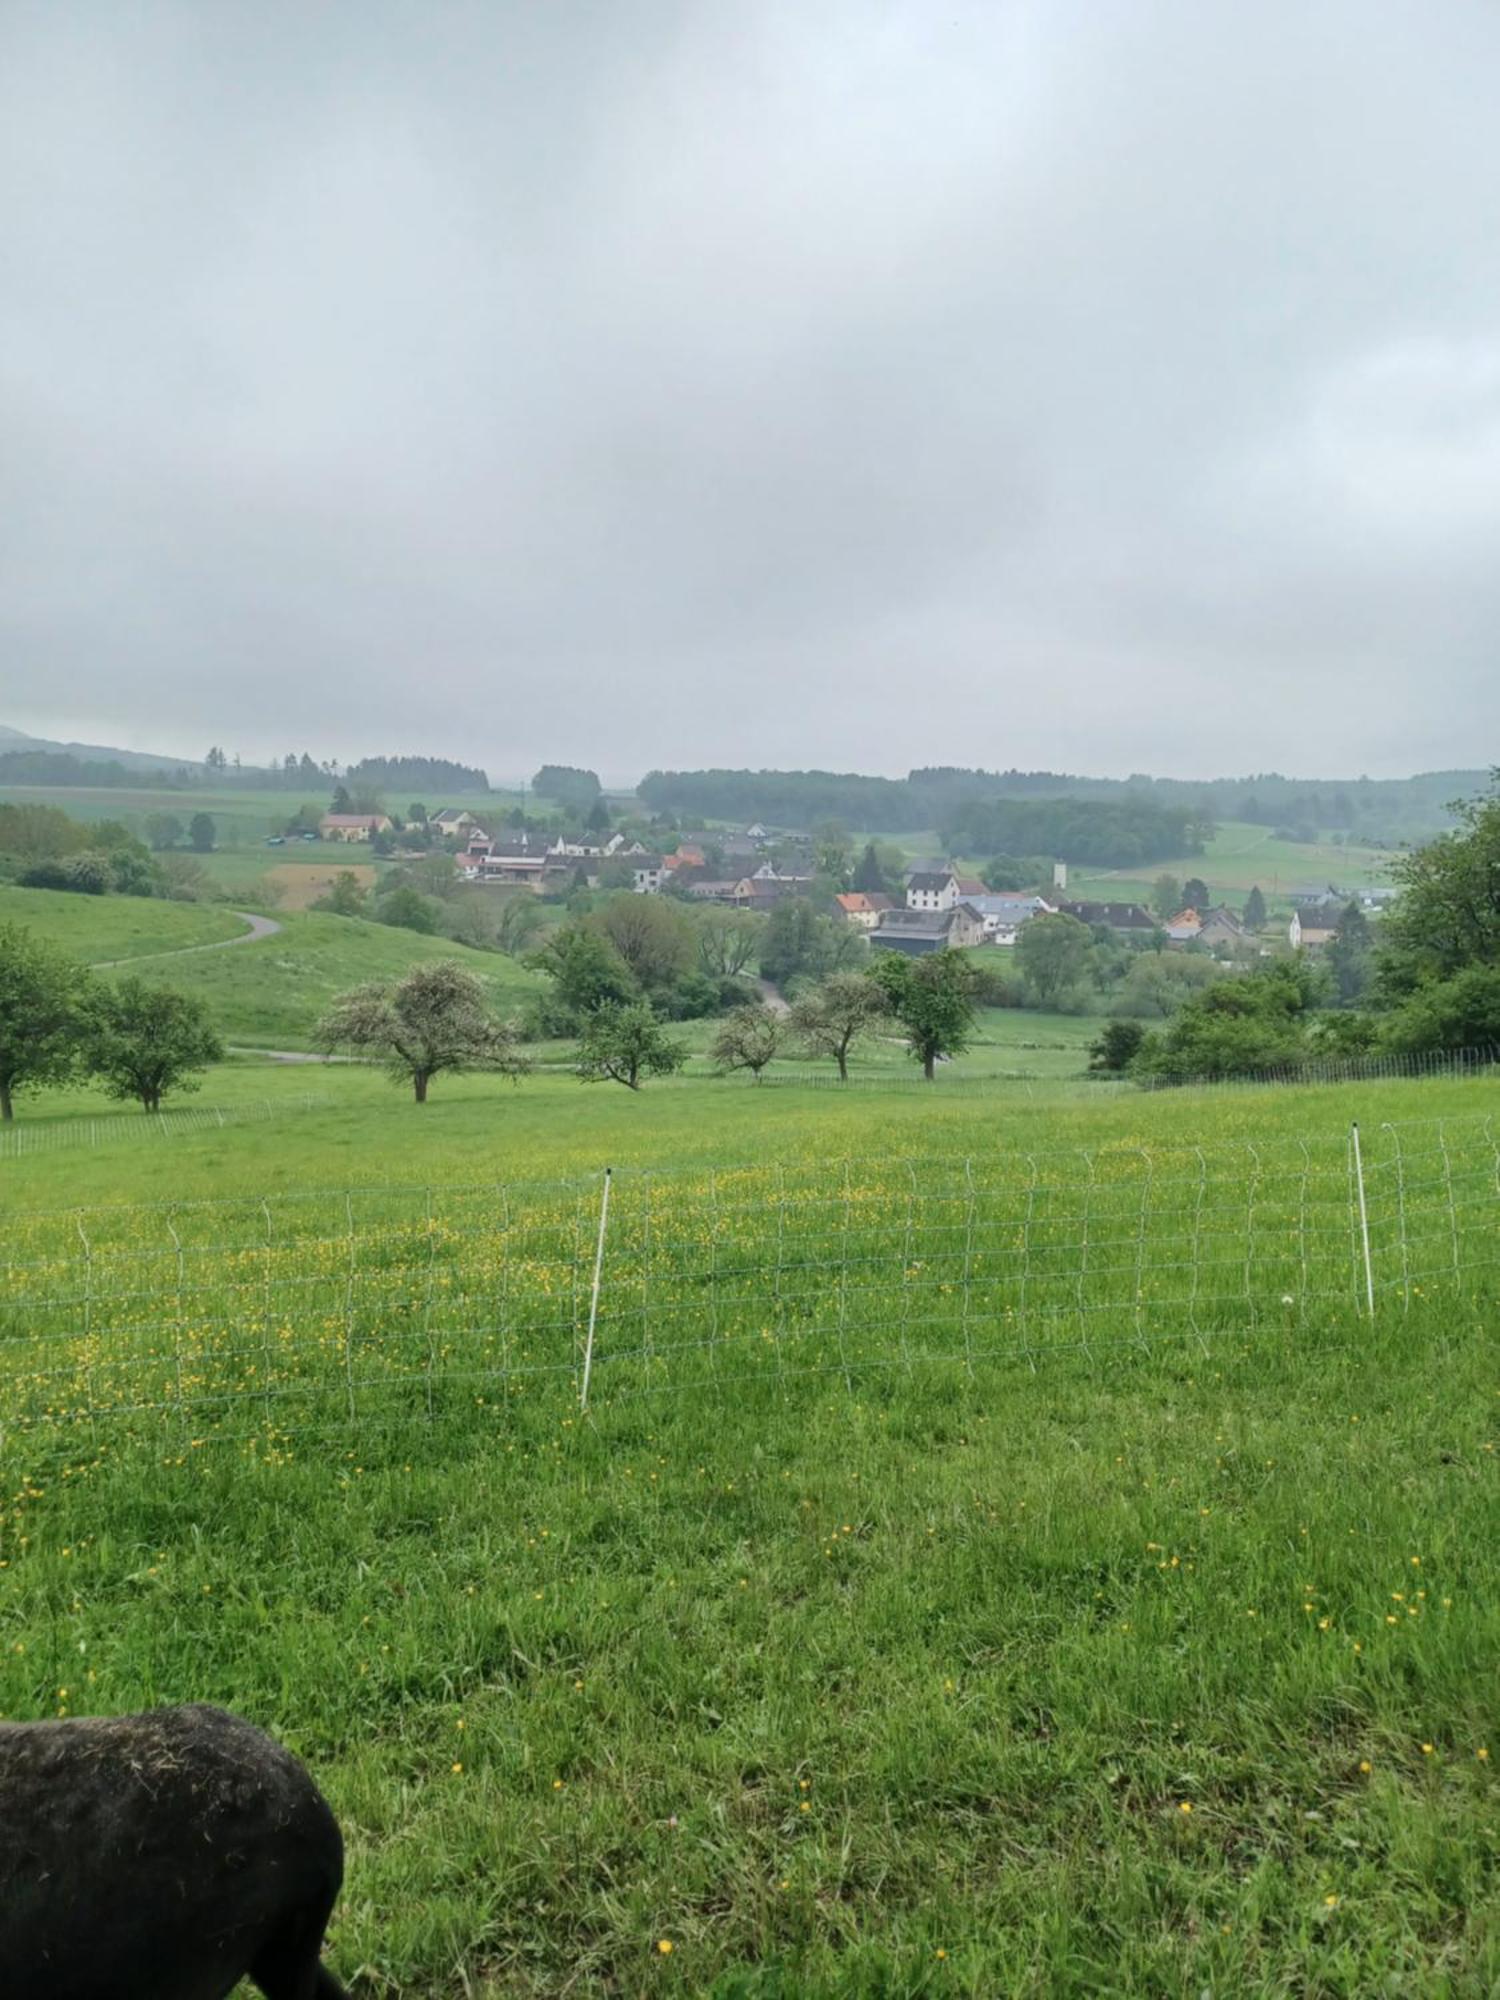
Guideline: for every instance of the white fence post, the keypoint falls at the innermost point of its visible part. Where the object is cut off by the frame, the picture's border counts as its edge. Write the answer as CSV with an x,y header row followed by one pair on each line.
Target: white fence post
x,y
588,1352
1364,1219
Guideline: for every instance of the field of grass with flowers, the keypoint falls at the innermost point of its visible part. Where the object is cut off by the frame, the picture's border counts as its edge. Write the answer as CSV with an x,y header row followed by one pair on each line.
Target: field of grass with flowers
x,y
1003,1552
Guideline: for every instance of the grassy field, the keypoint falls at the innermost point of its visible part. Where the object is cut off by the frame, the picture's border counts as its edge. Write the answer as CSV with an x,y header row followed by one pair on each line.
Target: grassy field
x,y
101,928
1240,856
1016,1041
1160,1665
271,993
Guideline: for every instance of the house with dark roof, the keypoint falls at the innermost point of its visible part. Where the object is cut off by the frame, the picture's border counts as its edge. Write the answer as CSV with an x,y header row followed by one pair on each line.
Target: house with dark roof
x,y
918,932
1314,925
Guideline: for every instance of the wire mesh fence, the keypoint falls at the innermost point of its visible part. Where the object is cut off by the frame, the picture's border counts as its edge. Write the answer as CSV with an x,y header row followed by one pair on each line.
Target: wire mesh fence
x,y
232,1318
1452,1065
127,1128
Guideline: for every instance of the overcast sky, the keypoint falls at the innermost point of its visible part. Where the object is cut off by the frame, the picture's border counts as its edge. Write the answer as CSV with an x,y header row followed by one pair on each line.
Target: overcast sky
x,y
858,383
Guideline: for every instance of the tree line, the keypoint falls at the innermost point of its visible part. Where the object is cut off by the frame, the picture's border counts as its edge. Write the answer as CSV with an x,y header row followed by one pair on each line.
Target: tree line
x,y
42,847
972,817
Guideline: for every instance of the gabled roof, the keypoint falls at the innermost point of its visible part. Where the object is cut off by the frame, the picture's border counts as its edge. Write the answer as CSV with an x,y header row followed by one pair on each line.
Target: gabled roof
x,y
930,882
1118,916
919,923
354,819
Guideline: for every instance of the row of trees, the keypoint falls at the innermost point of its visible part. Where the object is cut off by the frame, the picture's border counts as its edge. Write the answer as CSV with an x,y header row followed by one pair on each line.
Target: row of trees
x,y
59,1024
971,809
437,1020
931,999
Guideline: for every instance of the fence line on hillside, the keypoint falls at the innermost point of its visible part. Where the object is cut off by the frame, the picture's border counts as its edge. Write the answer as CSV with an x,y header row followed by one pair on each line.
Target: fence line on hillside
x,y
128,1127
298,1312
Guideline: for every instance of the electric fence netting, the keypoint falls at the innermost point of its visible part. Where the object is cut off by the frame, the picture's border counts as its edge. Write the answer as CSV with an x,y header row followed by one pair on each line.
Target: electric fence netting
x,y
308,1311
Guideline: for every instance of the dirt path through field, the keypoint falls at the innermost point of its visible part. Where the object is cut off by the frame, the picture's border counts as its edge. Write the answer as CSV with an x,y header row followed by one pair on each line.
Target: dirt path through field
x,y
259,927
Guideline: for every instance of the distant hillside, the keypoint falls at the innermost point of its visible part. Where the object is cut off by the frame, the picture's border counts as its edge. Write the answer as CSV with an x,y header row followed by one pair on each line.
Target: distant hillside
x,y
16,741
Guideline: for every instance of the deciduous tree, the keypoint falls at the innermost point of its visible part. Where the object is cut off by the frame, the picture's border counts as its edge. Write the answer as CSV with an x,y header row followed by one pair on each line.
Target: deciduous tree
x,y
43,994
830,1020
344,897
519,921
654,937
728,939
1350,956
1056,955
145,1040
933,999
626,1045
586,970
434,1019
747,1039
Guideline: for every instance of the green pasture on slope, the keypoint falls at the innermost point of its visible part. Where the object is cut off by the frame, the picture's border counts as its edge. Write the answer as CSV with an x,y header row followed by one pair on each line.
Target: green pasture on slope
x,y
99,928
271,993
1237,858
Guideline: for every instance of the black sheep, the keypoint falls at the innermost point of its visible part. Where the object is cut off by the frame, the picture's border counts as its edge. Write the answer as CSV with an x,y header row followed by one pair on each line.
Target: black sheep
x,y
161,1857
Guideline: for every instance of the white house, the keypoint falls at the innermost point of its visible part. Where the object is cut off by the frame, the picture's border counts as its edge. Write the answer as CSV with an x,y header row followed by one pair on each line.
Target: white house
x,y
648,872
935,890
585,846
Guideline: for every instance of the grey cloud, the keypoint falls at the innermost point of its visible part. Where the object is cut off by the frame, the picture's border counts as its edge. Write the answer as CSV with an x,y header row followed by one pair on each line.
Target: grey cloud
x,y
861,385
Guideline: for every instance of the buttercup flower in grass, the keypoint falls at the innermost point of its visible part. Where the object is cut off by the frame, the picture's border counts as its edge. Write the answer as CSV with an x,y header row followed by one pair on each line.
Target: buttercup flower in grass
x,y
664,1946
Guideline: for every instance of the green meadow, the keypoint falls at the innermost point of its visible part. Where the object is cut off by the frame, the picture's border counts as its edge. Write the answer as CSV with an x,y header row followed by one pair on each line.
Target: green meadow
x,y
1240,856
1003,1553
101,929
272,992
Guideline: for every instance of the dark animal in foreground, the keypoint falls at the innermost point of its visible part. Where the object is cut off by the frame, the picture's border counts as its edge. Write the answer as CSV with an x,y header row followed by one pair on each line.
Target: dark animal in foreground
x,y
161,1857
